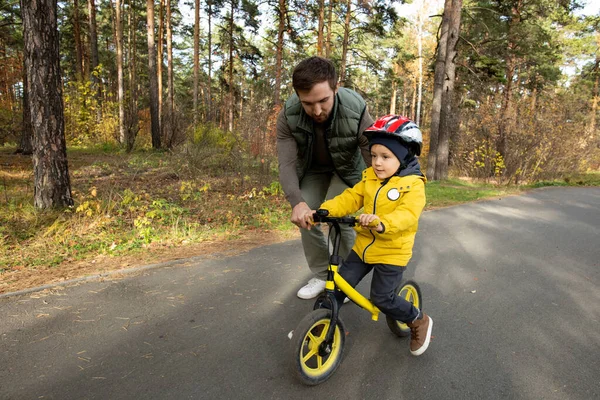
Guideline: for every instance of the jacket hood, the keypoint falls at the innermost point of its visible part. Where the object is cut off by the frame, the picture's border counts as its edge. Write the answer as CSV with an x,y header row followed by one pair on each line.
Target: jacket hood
x,y
412,168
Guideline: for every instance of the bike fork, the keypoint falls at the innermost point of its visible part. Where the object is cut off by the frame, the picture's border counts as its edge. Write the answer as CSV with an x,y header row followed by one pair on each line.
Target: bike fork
x,y
325,347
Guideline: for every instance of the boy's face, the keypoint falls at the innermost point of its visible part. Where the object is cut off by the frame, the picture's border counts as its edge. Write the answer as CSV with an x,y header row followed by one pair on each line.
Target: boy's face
x,y
383,161
318,101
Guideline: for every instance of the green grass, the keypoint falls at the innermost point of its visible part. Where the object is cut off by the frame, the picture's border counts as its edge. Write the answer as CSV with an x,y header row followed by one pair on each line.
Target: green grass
x,y
128,203
455,191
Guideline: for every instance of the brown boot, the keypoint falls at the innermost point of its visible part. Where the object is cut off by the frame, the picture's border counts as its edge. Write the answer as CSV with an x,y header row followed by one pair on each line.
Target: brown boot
x,y
420,334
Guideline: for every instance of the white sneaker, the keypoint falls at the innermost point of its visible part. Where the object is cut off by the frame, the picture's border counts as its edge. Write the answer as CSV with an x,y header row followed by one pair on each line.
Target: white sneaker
x,y
312,289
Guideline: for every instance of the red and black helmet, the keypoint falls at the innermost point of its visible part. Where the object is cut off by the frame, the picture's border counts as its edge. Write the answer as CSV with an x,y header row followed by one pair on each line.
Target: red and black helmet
x,y
400,127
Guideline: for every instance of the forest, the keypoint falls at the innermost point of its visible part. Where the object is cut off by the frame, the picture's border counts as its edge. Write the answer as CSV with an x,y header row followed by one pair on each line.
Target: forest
x,y
134,126
503,89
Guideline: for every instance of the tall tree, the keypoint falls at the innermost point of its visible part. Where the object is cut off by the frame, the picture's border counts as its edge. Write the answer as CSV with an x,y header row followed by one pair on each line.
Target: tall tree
x,y
345,43
329,28
447,112
282,18
51,172
120,80
196,58
132,120
169,125
78,43
160,60
26,142
438,89
152,77
320,26
94,60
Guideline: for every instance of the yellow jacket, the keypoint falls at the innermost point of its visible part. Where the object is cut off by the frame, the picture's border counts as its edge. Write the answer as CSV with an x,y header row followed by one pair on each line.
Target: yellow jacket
x,y
398,204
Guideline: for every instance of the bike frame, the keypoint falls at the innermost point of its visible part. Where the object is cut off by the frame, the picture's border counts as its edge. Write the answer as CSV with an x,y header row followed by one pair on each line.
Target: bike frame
x,y
334,279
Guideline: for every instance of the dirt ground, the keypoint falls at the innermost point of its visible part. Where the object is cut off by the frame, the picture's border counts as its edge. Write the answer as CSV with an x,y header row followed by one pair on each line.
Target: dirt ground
x,y
105,267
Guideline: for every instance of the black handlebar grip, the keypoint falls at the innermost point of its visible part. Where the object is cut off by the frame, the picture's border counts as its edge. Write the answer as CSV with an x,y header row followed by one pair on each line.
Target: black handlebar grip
x,y
321,212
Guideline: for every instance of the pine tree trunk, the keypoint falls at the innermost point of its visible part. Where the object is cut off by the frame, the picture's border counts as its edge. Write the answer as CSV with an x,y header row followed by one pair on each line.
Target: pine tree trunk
x,y
152,76
132,125
420,50
26,143
345,43
78,45
279,55
591,128
159,62
170,128
506,117
209,89
196,57
329,28
321,24
51,171
394,97
120,81
438,89
230,77
93,32
446,117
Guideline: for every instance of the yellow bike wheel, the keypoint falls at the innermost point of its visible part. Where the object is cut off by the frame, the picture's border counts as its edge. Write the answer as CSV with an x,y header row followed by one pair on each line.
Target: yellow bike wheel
x,y
411,292
312,363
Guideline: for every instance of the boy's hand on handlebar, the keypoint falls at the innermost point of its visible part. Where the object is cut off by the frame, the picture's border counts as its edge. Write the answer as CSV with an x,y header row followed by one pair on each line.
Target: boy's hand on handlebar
x,y
370,221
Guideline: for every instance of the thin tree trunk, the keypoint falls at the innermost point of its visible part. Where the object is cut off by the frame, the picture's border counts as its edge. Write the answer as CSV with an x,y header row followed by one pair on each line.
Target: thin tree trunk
x,y
446,117
51,171
97,83
321,23
132,126
329,28
152,76
159,63
279,54
420,50
209,102
591,128
26,143
394,97
230,102
413,104
506,117
78,45
170,129
120,83
345,43
404,99
196,57
438,89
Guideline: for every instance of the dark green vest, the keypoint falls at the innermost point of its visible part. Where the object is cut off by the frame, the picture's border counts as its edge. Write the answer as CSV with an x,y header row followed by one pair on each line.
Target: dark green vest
x,y
341,136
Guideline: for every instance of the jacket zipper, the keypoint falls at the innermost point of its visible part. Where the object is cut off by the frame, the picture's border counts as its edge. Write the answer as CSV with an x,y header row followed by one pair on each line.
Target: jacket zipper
x,y
374,209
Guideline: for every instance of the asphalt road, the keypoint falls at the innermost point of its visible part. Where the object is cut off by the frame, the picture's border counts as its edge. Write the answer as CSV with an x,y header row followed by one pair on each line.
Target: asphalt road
x,y
512,284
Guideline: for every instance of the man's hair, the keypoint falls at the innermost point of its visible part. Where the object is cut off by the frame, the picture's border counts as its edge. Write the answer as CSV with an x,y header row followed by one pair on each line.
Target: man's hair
x,y
314,70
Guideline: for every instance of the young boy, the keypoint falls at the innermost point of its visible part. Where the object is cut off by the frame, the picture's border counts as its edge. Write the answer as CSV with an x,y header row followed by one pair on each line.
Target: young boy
x,y
392,192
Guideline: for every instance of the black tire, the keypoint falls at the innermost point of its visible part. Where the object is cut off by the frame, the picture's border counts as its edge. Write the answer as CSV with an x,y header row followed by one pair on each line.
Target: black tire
x,y
410,291
309,366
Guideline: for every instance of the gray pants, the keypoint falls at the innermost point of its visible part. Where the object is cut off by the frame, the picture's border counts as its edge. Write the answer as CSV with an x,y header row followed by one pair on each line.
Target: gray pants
x,y
316,188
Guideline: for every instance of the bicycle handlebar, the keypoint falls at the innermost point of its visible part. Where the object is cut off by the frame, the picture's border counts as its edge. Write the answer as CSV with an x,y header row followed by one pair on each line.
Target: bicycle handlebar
x,y
322,215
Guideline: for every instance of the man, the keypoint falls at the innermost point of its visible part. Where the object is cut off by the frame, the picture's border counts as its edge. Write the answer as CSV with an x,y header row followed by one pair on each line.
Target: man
x,y
321,151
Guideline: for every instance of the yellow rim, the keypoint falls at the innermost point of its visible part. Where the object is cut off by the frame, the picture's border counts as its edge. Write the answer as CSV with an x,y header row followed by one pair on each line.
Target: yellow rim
x,y
409,293
312,363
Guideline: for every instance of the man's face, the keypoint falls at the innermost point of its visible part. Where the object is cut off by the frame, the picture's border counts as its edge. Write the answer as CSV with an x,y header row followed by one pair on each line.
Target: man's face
x,y
318,101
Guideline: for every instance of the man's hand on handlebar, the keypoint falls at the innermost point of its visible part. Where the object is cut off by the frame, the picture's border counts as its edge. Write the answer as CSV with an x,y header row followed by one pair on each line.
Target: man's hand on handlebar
x,y
300,214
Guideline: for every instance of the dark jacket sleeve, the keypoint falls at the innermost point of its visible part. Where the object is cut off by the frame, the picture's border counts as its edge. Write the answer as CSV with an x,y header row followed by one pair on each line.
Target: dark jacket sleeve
x,y
287,155
363,142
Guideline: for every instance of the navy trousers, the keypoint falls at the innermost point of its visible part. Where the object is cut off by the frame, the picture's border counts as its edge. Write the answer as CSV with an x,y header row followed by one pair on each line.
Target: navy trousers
x,y
386,279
